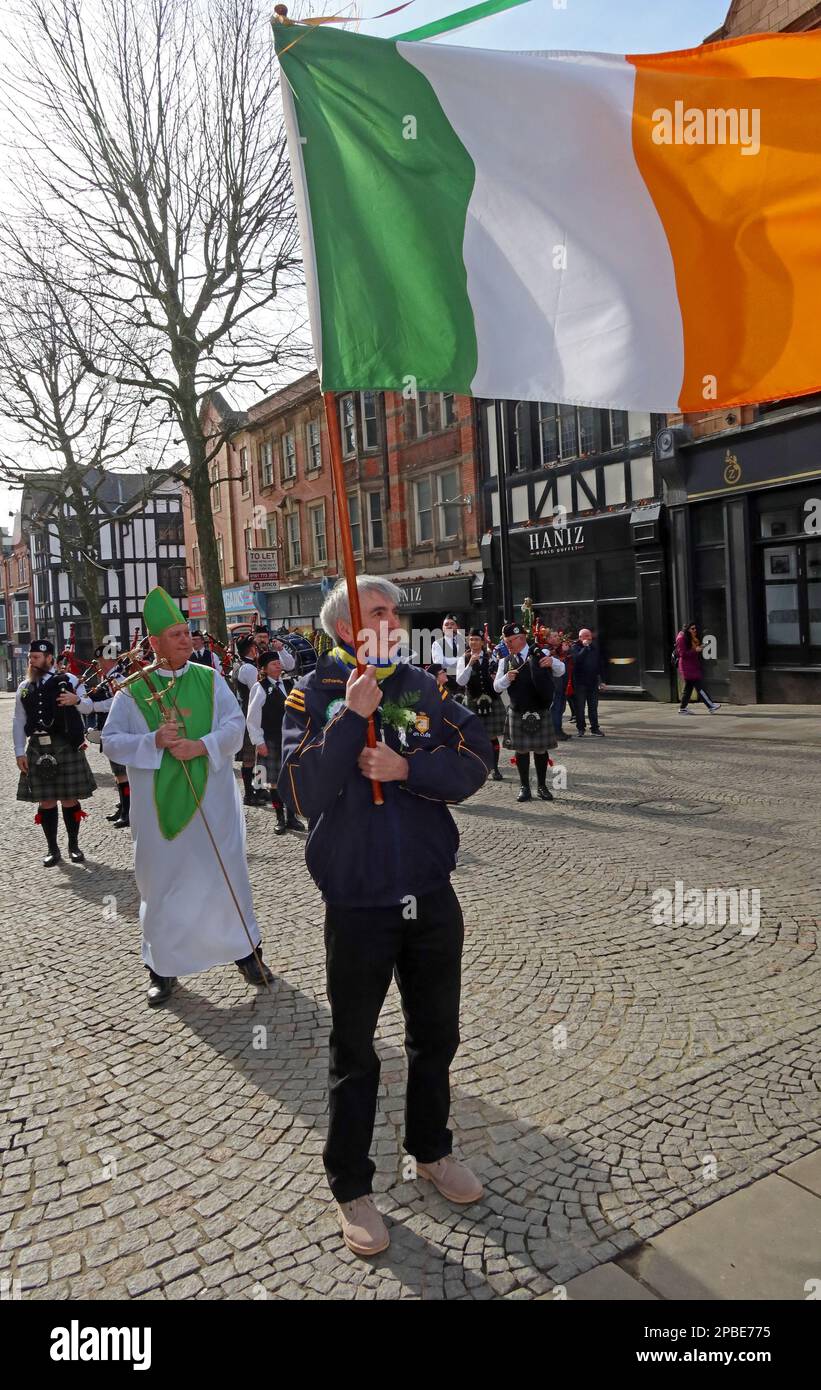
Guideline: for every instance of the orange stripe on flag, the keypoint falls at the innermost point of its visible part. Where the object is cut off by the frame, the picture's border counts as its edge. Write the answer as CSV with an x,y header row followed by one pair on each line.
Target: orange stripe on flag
x,y
744,229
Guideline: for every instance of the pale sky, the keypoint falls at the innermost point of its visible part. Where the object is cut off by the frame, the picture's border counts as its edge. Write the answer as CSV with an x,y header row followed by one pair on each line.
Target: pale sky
x,y
610,26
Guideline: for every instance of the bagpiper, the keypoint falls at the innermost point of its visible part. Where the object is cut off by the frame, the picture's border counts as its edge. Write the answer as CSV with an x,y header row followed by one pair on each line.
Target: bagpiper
x,y
527,676
96,702
475,674
49,739
263,722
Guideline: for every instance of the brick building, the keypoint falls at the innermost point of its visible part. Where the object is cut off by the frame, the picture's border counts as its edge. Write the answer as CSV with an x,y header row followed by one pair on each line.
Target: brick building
x,y
742,487
16,605
411,492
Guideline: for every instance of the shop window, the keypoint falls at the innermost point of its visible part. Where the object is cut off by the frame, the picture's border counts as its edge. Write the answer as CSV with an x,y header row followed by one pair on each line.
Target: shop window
x,y
782,522
709,565
615,575
708,524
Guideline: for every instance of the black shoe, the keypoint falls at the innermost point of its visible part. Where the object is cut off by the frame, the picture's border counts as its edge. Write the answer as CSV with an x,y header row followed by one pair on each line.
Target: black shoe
x,y
76,855
580,733
524,795
562,735
281,827
121,822
115,815
293,822
544,793
252,800
160,988
496,775
53,857
250,971
599,733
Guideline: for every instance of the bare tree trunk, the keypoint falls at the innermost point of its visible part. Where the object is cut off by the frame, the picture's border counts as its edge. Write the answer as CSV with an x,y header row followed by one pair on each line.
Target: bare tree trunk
x,y
200,484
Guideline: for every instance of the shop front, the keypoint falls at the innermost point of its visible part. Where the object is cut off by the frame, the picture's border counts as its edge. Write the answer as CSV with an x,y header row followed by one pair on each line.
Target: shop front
x,y
605,572
426,602
241,606
747,556
297,606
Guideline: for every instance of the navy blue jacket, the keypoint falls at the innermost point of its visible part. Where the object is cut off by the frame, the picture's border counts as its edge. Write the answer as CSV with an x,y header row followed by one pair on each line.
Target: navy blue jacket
x,y
359,854
587,665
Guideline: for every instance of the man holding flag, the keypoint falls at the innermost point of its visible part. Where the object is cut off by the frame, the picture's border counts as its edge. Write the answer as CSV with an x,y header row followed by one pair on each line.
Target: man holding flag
x,y
384,872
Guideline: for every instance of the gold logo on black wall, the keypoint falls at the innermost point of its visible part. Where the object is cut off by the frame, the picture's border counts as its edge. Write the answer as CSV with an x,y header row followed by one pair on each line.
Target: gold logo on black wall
x,y
732,468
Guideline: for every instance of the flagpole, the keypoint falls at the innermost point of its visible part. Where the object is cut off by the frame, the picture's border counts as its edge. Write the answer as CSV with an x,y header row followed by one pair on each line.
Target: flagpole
x,y
348,562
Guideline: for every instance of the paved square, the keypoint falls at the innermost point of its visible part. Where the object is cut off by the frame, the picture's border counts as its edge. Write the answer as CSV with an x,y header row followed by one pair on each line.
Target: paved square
x,y
614,1076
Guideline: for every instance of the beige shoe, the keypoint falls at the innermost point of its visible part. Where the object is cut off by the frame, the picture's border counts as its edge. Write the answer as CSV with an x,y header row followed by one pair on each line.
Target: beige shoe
x,y
453,1179
363,1229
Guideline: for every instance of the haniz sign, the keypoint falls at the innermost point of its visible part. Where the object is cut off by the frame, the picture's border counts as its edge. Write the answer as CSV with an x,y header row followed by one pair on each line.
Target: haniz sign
x,y
557,540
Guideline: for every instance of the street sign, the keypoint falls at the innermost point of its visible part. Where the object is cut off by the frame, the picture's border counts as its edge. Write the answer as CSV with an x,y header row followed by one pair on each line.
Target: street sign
x,y
262,564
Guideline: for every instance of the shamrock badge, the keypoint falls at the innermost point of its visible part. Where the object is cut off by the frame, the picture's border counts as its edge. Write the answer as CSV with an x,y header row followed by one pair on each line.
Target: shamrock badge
x,y
399,715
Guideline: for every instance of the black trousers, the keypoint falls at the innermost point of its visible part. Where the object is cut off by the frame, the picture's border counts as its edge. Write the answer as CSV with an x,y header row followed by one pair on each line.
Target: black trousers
x,y
364,948
589,695
689,687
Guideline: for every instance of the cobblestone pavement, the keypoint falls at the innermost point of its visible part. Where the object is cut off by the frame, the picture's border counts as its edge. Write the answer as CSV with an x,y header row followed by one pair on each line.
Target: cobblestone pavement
x,y
175,1153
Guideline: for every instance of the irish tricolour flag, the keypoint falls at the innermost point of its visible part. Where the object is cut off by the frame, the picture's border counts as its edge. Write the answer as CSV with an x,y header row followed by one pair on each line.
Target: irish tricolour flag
x,y
633,232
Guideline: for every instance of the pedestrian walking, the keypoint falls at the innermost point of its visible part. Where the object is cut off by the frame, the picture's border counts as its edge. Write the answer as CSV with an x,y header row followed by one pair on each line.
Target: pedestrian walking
x,y
446,655
97,702
689,646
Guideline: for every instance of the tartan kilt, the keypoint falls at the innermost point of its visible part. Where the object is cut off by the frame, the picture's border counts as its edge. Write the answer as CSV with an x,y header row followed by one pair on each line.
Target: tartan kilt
x,y
71,779
247,753
525,740
272,765
494,721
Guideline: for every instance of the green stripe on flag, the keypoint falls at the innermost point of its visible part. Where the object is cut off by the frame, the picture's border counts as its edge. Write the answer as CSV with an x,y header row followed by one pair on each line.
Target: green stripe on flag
x,y
388,186
460,19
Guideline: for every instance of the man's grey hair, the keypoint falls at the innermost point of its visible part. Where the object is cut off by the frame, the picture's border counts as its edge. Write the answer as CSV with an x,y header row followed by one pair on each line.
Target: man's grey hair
x,y
336,605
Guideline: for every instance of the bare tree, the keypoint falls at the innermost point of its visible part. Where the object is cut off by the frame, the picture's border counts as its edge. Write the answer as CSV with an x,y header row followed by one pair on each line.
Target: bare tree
x,y
70,424
151,144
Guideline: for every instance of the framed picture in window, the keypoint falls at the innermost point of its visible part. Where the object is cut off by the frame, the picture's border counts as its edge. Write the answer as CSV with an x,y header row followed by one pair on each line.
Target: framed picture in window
x,y
780,564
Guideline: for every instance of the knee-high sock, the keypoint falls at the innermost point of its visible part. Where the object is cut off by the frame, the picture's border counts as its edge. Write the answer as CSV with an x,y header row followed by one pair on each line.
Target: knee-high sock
x,y
540,762
49,820
276,801
494,743
523,768
248,780
73,815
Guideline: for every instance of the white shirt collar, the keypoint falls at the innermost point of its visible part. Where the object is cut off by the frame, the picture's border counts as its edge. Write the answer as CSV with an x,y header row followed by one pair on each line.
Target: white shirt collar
x,y
166,670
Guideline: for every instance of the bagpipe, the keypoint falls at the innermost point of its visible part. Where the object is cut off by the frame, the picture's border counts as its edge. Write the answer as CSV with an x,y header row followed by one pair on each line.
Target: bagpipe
x,y
226,654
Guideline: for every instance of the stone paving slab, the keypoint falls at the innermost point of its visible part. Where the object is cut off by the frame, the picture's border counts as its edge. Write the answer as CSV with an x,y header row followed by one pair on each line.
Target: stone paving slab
x,y
615,1077
761,1243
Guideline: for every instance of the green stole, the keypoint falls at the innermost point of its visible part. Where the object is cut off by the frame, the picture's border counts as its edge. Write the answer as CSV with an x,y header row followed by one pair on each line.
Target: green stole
x,y
175,798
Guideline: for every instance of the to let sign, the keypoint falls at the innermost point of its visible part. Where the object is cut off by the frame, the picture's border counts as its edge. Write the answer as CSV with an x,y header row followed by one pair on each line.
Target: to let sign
x,y
263,564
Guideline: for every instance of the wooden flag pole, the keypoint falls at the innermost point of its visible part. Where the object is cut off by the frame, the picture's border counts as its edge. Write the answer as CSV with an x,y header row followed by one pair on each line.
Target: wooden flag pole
x,y
348,562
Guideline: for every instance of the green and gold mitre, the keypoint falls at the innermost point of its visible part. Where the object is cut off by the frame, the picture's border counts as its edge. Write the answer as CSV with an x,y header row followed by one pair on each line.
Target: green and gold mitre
x,y
160,611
